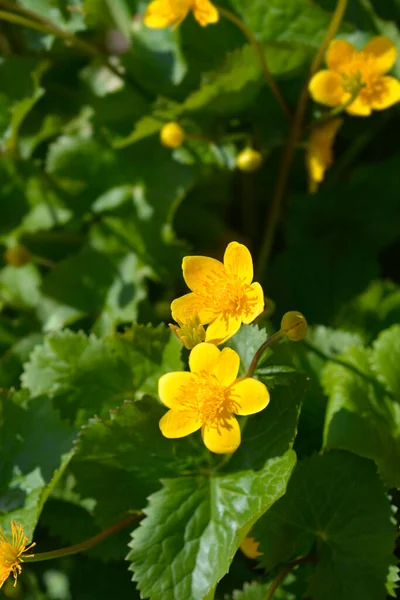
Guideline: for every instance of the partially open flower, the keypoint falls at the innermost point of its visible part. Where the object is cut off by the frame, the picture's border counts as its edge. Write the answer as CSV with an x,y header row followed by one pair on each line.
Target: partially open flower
x,y
208,397
172,135
356,79
319,155
11,552
161,13
189,333
223,294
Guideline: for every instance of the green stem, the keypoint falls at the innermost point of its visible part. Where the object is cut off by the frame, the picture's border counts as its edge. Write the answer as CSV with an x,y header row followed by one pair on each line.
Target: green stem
x,y
93,541
256,359
285,570
259,51
294,135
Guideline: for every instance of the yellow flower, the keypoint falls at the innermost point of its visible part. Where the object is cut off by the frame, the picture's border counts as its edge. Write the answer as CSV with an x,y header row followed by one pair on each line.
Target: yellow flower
x,y
208,397
222,294
358,74
249,547
161,13
11,552
319,155
189,333
172,135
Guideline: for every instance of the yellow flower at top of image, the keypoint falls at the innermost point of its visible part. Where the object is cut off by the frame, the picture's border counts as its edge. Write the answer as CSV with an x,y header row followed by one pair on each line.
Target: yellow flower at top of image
x,y
162,13
223,294
11,552
358,74
208,397
319,154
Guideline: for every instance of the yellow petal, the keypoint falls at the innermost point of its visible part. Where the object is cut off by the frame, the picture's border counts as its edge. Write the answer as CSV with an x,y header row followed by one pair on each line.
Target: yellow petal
x,y
360,107
390,96
189,306
339,53
223,328
178,423
384,52
169,387
205,12
203,357
238,261
319,154
200,272
227,368
223,439
254,303
4,573
159,14
326,87
250,396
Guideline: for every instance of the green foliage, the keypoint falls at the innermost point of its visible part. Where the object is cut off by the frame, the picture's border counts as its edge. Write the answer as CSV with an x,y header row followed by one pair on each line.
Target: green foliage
x,y
363,412
320,516
104,215
195,524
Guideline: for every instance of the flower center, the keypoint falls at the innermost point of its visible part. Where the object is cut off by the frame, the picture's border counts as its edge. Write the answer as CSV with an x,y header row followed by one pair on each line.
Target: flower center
x,y
360,77
226,293
212,403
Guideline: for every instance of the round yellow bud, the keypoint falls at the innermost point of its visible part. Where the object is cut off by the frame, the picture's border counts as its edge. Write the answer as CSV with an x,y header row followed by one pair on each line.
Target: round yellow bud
x,y
172,135
249,160
17,256
294,326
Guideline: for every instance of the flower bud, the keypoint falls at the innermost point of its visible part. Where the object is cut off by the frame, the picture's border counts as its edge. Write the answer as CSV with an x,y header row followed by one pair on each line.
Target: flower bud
x,y
172,135
294,326
189,333
249,160
17,256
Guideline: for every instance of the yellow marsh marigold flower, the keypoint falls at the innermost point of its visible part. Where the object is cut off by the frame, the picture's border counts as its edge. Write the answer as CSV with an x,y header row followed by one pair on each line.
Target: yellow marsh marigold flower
x,y
161,13
249,547
189,333
208,397
222,294
11,552
364,71
319,155
172,135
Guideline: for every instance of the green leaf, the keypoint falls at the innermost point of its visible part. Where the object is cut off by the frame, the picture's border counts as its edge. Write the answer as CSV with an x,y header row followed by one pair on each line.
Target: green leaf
x,y
321,513
107,456
18,97
80,372
291,588
292,20
322,343
246,342
361,416
374,309
36,447
196,523
87,376
386,359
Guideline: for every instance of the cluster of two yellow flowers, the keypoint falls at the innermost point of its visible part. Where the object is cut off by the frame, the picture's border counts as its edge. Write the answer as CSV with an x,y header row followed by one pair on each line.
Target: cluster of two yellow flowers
x,y
355,81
